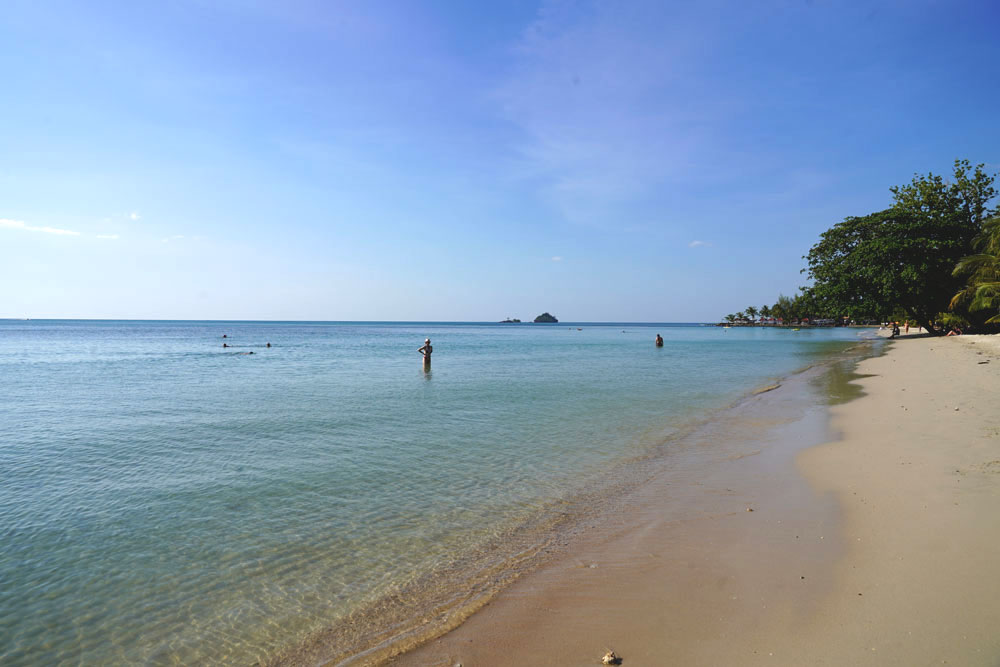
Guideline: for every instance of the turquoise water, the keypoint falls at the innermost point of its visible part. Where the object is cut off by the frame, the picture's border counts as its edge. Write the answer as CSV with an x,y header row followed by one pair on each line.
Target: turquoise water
x,y
167,500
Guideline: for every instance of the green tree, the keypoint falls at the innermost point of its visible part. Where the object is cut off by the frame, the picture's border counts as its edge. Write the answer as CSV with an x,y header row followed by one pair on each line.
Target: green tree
x,y
765,311
751,312
741,315
967,197
782,307
902,257
981,295
730,318
805,305
869,266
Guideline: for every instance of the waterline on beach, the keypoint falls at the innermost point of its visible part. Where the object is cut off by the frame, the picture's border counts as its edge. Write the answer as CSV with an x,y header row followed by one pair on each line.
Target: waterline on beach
x,y
703,542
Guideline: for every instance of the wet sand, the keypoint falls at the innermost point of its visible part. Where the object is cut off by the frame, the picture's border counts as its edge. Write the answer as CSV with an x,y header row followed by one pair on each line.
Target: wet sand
x,y
879,547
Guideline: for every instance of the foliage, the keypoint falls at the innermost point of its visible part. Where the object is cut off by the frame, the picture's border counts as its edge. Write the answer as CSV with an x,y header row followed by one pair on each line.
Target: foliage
x,y
936,247
949,320
967,197
783,308
902,257
981,294
866,267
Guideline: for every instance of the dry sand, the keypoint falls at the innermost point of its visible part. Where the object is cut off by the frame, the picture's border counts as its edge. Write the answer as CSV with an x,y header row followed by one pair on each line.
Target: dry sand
x,y
918,477
879,548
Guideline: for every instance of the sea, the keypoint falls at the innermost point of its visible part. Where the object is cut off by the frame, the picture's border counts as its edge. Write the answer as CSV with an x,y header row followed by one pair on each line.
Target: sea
x,y
166,499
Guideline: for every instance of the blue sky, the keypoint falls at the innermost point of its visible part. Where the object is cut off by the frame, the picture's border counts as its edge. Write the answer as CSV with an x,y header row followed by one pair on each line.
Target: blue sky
x,y
634,161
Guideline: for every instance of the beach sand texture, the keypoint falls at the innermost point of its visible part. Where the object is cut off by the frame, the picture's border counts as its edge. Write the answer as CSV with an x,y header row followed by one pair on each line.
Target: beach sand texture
x,y
878,548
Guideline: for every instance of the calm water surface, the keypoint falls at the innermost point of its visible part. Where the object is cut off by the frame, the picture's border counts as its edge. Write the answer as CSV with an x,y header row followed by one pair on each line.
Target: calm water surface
x,y
166,500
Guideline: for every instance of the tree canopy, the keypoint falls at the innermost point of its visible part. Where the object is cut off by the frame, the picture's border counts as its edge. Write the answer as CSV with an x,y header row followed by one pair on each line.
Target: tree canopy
x,y
869,266
936,248
905,256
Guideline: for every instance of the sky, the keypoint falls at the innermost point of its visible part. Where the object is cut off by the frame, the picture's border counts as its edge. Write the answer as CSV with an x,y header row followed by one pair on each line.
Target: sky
x,y
463,161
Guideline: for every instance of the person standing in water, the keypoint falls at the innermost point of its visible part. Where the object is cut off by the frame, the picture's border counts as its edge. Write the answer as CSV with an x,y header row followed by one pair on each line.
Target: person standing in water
x,y
426,351
659,340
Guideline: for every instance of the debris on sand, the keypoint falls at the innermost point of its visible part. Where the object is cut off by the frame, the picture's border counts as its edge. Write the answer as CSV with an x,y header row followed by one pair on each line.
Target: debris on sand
x,y
611,659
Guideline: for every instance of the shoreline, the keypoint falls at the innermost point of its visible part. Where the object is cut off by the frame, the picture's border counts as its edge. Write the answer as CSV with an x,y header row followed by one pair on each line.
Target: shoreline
x,y
661,541
687,574
601,505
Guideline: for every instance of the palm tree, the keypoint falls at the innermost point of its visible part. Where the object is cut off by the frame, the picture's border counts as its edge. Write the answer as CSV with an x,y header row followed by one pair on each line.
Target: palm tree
x,y
741,315
752,313
730,318
765,311
983,269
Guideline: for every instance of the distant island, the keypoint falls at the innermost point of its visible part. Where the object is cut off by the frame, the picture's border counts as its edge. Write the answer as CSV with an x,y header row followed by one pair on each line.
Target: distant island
x,y
510,321
546,318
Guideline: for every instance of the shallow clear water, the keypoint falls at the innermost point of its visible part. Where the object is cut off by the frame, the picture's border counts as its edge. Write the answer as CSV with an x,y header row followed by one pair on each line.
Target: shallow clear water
x,y
166,500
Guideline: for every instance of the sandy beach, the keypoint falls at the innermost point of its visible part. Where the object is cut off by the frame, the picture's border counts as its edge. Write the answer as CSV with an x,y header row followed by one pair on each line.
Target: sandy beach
x,y
877,547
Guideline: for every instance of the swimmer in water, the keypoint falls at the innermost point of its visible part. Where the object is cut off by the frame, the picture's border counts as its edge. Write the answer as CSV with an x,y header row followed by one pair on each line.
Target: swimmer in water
x,y
426,351
659,340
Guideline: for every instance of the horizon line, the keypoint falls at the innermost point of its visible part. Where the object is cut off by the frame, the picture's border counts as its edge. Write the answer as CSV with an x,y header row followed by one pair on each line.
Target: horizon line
x,y
130,319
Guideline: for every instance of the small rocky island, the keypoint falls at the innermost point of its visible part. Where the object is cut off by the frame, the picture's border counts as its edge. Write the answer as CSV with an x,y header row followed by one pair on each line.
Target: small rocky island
x,y
546,319
510,321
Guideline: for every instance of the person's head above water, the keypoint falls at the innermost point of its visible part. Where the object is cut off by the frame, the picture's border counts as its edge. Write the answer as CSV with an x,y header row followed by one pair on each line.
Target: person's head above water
x,y
427,340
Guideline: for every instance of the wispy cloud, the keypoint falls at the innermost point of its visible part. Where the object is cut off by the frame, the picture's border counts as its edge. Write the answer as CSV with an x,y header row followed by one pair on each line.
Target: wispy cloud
x,y
107,236
134,215
609,104
168,239
698,244
557,258
18,224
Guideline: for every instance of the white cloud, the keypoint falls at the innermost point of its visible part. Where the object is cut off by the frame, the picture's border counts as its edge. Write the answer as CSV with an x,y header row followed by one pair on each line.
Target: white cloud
x,y
18,224
698,244
134,215
611,104
557,258
107,236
